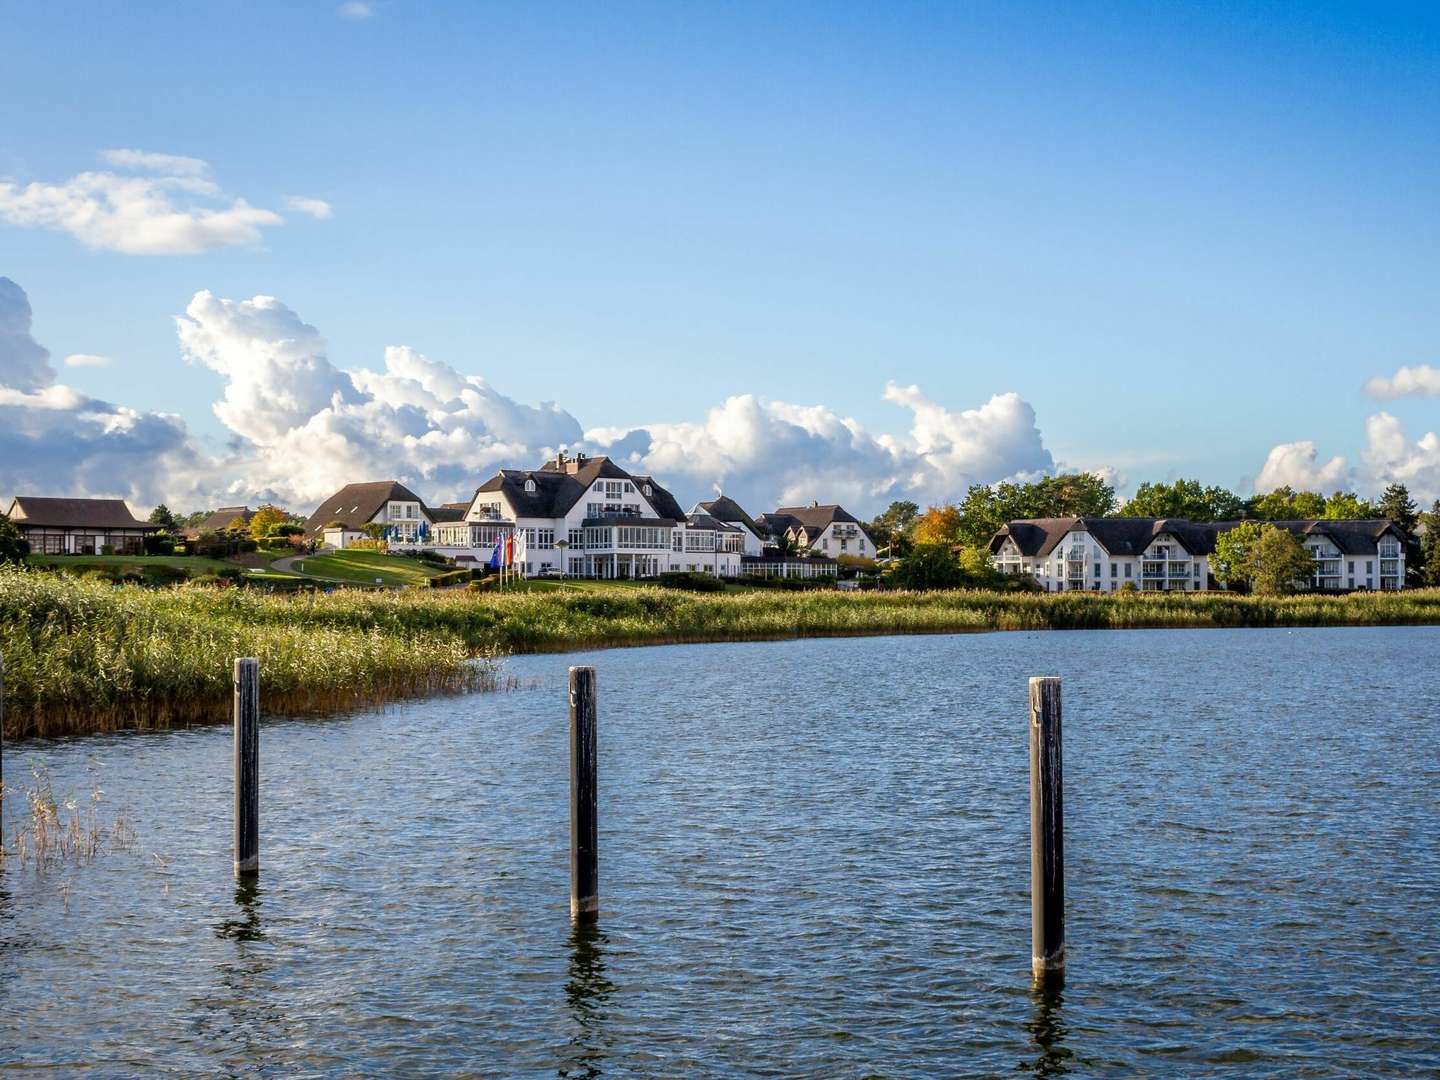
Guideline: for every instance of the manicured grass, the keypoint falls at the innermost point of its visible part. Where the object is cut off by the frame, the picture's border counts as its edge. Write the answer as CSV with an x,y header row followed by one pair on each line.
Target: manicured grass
x,y
83,655
365,567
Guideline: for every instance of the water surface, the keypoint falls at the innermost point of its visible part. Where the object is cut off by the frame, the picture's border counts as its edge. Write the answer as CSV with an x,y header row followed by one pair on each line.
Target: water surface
x,y
814,862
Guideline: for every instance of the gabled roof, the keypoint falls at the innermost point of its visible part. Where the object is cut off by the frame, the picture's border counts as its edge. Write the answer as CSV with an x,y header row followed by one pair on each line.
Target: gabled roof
x,y
1353,537
706,521
224,518
559,485
776,523
75,513
1038,537
355,505
817,517
725,508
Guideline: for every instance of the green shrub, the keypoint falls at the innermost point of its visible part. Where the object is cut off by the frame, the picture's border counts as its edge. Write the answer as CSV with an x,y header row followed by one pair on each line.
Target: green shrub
x,y
691,581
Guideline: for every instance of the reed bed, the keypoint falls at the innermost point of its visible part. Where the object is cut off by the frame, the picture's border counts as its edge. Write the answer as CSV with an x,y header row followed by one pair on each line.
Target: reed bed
x,y
87,656
56,832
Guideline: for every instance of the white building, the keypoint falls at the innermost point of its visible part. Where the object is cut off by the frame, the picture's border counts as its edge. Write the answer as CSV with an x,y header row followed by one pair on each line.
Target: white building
x,y
828,529
341,519
1172,554
588,517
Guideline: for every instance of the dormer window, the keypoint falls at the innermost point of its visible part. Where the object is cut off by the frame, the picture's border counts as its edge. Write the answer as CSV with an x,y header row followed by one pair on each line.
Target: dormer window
x,y
646,489
529,486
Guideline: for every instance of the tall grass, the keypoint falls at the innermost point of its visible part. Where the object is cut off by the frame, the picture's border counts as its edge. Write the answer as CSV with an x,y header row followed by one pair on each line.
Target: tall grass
x,y
85,656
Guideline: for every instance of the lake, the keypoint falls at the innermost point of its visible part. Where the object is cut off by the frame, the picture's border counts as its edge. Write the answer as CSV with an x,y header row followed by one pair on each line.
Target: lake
x,y
814,861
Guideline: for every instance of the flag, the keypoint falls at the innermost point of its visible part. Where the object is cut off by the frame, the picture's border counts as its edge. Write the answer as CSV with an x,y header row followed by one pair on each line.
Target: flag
x,y
510,549
498,554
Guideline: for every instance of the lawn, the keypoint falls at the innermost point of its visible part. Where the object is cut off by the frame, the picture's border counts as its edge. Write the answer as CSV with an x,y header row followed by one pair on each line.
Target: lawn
x,y
365,568
196,564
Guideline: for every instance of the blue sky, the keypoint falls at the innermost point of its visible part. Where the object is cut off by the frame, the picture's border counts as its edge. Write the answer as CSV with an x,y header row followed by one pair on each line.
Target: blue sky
x,y
1183,234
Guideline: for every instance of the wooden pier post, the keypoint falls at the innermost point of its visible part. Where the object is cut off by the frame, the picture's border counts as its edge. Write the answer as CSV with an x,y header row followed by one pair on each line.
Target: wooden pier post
x,y
1047,832
247,767
584,817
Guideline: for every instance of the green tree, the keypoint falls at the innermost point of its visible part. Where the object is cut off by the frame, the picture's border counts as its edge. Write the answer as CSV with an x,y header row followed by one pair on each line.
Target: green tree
x,y
1280,562
267,516
891,529
1429,568
984,509
1232,561
1396,504
1346,505
13,546
1184,499
162,516
1287,504
929,566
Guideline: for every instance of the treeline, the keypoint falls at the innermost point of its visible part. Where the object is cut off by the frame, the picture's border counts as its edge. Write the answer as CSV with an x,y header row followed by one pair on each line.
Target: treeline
x,y
902,530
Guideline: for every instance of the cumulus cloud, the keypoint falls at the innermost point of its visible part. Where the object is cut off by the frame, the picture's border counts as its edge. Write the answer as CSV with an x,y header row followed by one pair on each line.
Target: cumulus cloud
x,y
81,359
55,440
769,453
24,362
1297,464
303,426
1388,457
316,208
1419,381
170,208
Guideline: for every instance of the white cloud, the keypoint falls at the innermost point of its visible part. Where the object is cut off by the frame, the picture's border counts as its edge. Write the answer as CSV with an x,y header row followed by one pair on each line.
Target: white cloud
x,y
86,360
55,440
169,164
1296,465
173,210
304,426
316,208
356,9
24,362
1390,458
1419,381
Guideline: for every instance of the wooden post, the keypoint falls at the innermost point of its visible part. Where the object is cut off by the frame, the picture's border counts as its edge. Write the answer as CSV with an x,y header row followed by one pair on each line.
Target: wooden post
x,y
247,767
2,730
1047,831
584,854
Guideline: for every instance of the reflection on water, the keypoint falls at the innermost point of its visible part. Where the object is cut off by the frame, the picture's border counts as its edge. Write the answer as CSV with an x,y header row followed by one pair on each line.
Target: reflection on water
x,y
247,927
1046,1028
816,864
587,991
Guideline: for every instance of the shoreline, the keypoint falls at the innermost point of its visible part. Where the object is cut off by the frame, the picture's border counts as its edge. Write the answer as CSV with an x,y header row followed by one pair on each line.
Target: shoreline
x,y
83,657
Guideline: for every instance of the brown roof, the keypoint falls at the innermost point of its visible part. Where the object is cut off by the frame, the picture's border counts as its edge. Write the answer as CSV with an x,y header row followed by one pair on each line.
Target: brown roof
x,y
75,513
355,505
223,518
817,517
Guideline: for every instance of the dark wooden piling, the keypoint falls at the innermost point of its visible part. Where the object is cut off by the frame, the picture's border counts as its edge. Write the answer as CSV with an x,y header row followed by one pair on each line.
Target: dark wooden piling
x,y
247,767
584,816
1047,831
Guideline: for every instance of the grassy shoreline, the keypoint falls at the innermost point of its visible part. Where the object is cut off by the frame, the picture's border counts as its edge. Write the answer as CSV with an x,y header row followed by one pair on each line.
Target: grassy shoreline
x,y
84,656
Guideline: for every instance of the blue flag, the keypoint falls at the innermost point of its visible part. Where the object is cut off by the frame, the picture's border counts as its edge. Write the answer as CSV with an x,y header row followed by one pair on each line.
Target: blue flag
x,y
495,556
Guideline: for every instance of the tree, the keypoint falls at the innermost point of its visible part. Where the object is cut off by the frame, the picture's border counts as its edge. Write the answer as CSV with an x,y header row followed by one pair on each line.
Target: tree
x,y
13,546
1184,499
984,509
1346,505
929,566
892,528
264,518
1231,561
1396,504
938,525
1280,562
1430,546
162,516
1287,504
